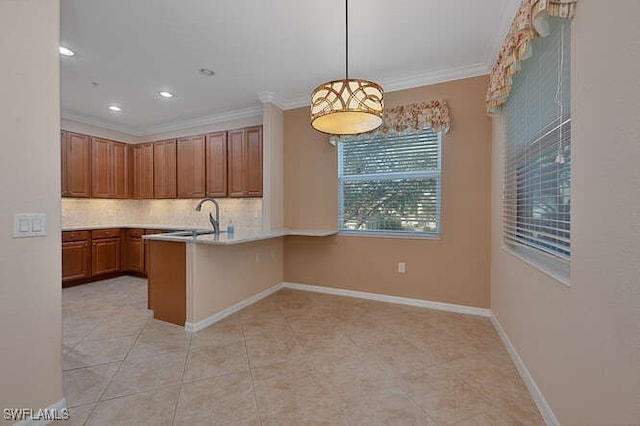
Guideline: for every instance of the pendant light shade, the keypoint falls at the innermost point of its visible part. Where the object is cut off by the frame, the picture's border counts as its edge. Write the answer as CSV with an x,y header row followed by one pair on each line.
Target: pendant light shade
x,y
348,106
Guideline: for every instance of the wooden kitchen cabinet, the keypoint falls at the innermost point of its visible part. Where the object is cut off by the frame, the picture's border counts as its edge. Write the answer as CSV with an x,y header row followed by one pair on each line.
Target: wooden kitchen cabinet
x,y
216,164
76,256
191,167
245,162
142,170
133,253
164,169
109,174
105,251
76,165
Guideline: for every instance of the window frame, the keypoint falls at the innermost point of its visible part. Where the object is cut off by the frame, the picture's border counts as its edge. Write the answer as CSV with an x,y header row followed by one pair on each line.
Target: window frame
x,y
551,262
429,174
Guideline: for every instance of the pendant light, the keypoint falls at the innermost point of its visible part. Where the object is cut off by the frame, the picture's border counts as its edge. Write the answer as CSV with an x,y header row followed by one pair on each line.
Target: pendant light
x,y
349,106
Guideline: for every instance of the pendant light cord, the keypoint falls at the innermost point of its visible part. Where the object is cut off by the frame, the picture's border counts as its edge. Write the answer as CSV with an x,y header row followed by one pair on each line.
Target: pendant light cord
x,y
346,25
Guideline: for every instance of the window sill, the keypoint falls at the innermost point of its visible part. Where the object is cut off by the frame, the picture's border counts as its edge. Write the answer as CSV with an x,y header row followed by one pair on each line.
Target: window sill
x,y
397,235
557,269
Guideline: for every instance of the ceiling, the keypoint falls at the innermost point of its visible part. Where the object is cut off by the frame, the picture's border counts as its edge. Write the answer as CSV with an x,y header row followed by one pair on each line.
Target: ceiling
x,y
133,49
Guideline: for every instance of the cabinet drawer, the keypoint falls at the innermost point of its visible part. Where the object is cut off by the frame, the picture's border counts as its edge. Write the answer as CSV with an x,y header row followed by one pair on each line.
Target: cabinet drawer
x,y
134,233
75,236
105,233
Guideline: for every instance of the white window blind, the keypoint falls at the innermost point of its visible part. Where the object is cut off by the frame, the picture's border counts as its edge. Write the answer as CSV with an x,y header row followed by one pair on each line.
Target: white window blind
x,y
537,199
390,184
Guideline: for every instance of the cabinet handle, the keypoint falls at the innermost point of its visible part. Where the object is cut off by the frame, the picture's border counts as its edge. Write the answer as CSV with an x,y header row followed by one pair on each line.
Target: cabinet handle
x,y
106,233
86,245
73,235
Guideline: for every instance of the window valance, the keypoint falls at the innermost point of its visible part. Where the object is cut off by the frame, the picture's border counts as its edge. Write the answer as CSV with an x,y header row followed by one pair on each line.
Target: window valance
x,y
531,21
407,119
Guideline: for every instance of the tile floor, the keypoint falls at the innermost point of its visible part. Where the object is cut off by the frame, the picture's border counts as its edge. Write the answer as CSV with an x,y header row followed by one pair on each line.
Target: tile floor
x,y
292,358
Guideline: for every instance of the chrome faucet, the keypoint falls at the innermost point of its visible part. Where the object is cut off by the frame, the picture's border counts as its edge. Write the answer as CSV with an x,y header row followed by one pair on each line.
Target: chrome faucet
x,y
215,223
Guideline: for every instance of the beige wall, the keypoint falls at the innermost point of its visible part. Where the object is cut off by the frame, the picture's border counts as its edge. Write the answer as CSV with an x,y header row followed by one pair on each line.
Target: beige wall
x,y
582,344
454,269
30,305
221,276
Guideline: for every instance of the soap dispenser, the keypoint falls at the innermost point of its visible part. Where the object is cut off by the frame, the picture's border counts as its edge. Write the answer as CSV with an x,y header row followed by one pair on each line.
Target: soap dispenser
x,y
230,227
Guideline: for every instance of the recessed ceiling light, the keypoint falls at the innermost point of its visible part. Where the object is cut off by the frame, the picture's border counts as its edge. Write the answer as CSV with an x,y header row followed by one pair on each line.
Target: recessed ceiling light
x,y
167,95
207,72
65,51
115,108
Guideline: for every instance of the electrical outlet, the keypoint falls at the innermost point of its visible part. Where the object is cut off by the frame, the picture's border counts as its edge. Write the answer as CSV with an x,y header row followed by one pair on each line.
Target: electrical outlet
x,y
402,267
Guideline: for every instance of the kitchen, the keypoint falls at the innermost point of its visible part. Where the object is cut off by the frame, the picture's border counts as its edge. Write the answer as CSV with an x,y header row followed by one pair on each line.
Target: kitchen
x,y
325,303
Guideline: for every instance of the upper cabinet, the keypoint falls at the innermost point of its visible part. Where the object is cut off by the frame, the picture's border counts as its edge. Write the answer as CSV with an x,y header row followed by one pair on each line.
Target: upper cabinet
x,y
220,164
164,169
142,170
216,164
245,162
109,171
76,165
191,167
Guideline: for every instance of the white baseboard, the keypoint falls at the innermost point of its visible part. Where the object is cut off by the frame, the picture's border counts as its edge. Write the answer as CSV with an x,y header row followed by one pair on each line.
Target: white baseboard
x,y
543,406
461,309
57,408
193,327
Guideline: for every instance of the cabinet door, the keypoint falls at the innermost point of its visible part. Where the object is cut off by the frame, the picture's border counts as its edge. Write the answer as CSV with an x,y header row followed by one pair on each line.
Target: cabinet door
x,y
134,252
105,256
216,164
76,261
191,167
102,183
245,162
253,166
120,170
236,161
76,165
64,188
143,171
164,169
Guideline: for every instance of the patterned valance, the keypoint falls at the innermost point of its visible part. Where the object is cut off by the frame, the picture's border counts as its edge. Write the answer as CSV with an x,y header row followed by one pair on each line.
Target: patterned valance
x,y
531,21
407,119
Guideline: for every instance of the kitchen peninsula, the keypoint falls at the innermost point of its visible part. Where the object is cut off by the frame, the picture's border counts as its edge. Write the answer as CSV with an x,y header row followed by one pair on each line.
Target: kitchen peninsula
x,y
196,280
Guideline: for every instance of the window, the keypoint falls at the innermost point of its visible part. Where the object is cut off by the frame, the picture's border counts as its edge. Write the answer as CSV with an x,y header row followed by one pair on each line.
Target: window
x,y
537,199
390,185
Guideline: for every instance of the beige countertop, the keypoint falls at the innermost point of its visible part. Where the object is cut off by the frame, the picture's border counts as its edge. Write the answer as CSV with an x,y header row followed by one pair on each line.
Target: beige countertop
x,y
239,237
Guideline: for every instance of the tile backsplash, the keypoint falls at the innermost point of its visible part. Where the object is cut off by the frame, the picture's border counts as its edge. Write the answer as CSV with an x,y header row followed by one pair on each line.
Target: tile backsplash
x,y
246,213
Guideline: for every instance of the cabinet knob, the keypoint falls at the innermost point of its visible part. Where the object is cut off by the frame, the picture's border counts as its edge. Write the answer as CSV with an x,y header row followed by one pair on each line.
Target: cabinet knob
x,y
106,233
73,235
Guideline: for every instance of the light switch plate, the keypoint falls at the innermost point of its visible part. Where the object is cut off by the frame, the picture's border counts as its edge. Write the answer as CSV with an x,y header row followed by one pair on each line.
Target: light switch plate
x,y
29,225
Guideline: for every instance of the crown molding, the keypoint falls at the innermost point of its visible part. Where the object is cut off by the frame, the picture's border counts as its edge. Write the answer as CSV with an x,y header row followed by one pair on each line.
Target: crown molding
x,y
425,79
105,124
204,121
272,98
435,77
508,13
162,128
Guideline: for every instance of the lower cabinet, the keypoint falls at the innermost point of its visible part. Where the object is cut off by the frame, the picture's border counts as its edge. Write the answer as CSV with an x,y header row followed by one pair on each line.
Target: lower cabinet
x,y
105,251
133,260
76,256
91,255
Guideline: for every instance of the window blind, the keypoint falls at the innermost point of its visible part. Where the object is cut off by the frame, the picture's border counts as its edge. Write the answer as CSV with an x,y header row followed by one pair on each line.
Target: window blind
x,y
390,184
537,198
